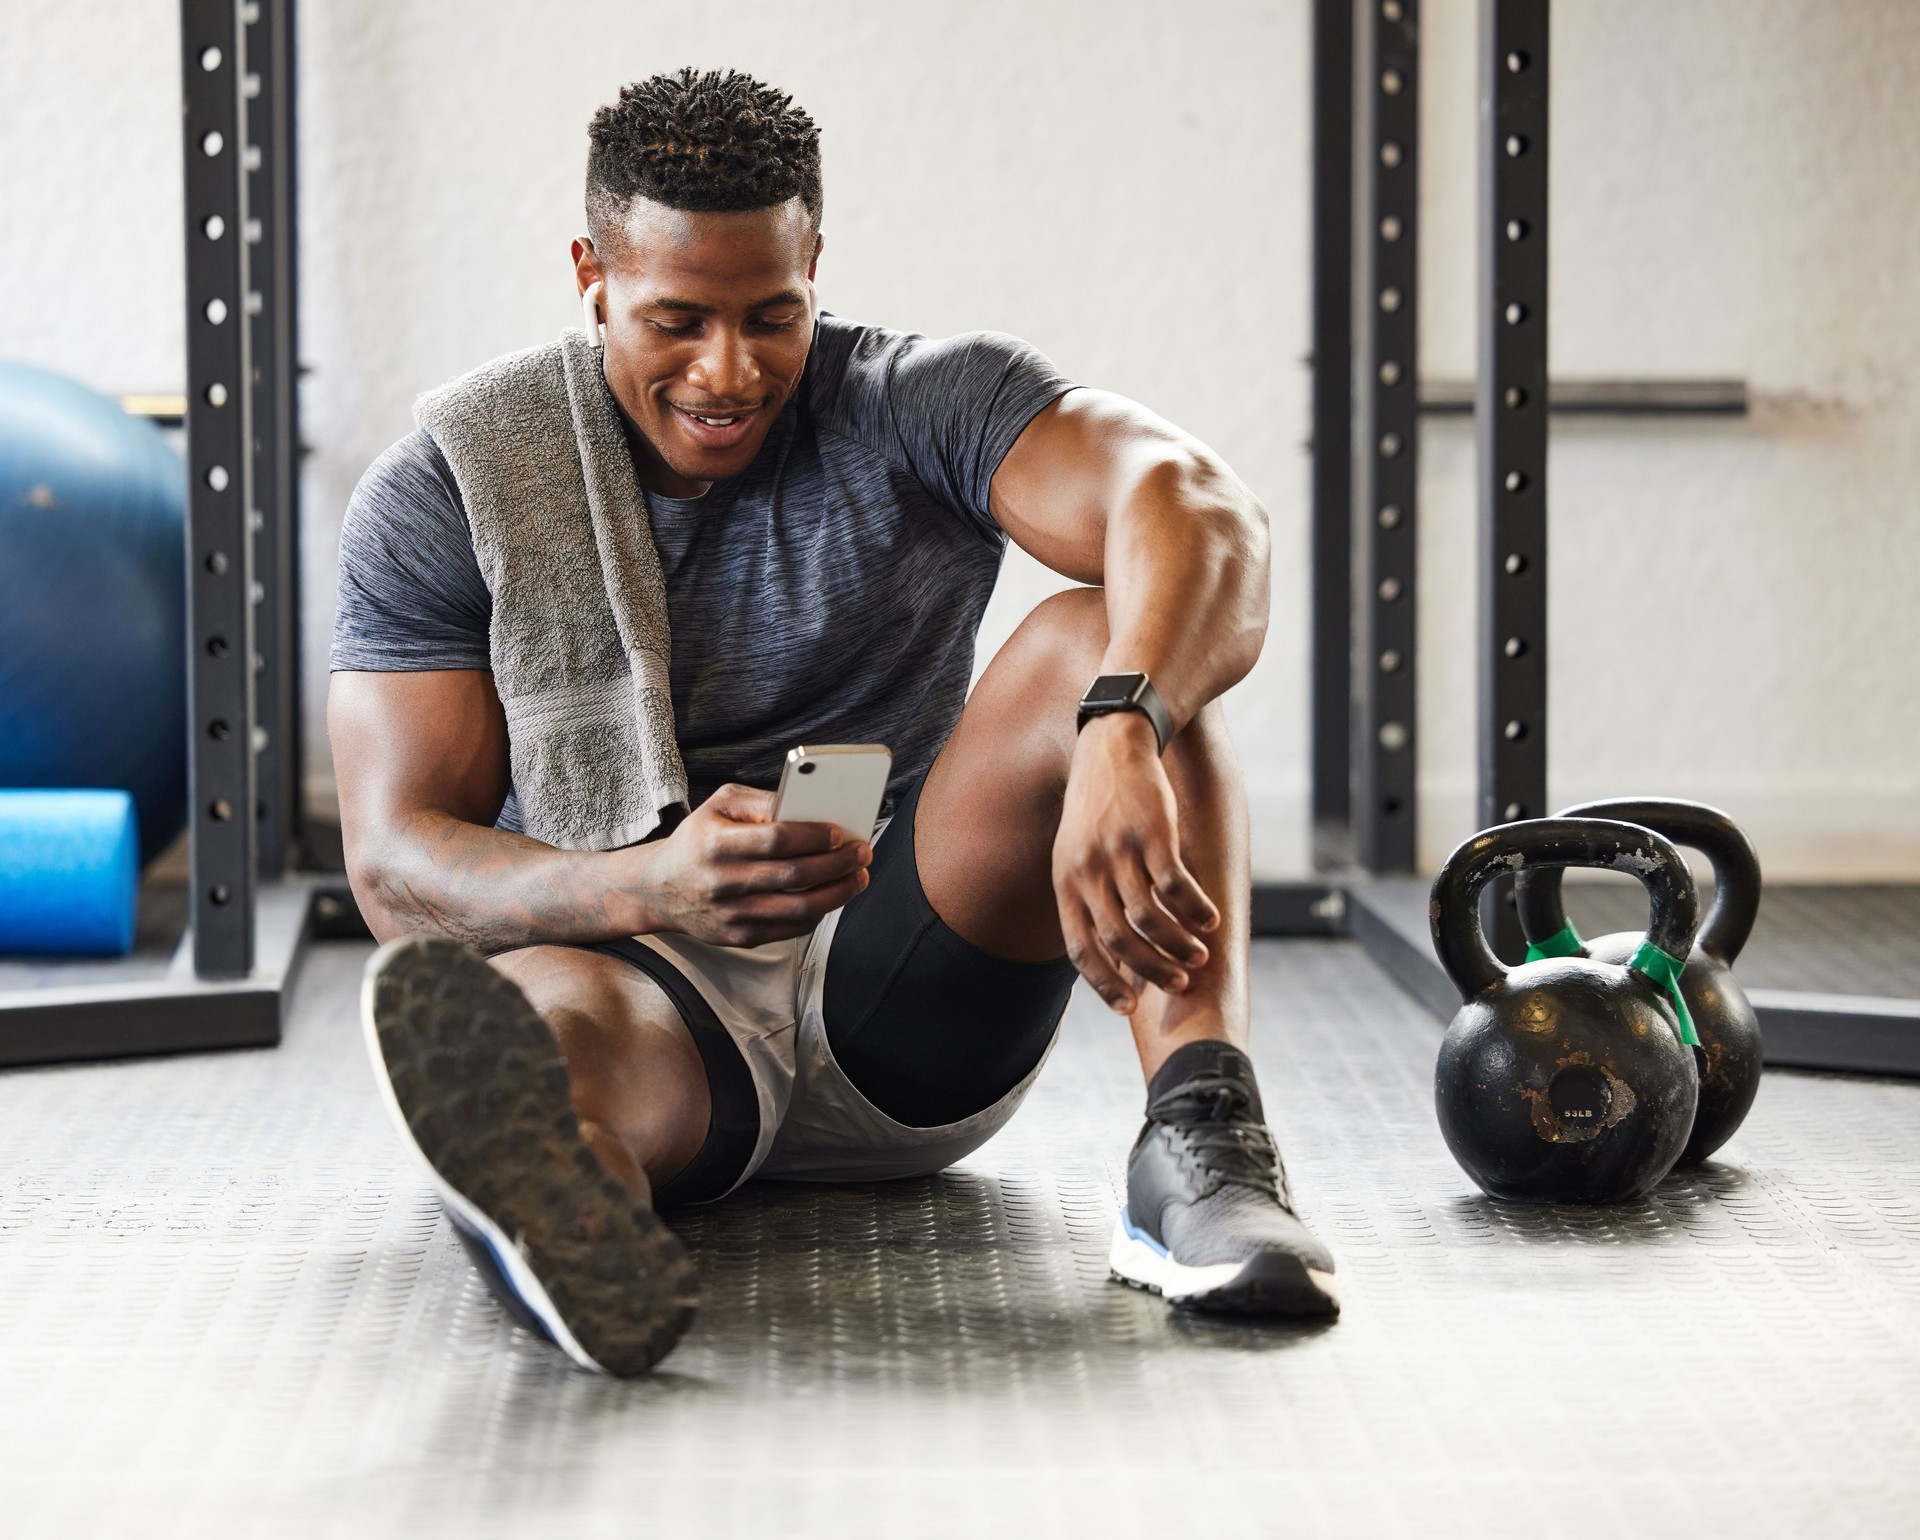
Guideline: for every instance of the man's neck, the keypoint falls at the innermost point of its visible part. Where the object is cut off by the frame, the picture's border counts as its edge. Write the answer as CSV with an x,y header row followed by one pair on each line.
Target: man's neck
x,y
651,471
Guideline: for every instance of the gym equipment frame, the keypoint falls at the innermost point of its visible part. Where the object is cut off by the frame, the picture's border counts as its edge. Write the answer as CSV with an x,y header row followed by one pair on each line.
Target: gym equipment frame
x,y
248,917
1511,398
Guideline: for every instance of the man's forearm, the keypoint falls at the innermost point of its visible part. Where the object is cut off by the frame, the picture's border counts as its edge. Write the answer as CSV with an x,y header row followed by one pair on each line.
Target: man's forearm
x,y
1187,563
494,890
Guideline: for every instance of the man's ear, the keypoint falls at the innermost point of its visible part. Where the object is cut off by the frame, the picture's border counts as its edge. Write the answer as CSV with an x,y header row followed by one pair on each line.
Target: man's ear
x,y
813,266
586,264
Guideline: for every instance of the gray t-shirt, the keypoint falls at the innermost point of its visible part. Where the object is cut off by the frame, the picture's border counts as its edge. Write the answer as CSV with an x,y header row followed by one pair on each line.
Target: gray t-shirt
x,y
828,594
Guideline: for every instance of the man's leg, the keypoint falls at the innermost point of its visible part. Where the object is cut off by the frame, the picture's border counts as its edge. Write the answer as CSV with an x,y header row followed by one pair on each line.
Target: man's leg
x,y
1209,1219
637,1080
991,807
552,1204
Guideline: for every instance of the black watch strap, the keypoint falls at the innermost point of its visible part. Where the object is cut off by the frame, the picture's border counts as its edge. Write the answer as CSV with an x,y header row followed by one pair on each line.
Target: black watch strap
x,y
1127,692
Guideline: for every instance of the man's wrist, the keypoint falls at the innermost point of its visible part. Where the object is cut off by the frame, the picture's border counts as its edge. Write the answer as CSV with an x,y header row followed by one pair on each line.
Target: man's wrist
x,y
627,888
1124,731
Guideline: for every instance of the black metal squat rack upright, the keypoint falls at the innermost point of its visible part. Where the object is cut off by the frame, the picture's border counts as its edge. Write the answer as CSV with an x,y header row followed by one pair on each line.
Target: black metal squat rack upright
x,y
1367,402
249,916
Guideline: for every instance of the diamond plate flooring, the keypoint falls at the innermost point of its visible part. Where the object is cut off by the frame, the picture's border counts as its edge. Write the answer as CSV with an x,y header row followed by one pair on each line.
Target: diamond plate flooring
x,y
228,1307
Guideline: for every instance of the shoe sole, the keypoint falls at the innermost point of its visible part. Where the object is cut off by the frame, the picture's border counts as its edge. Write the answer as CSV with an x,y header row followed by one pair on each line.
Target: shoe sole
x,y
473,1078
1269,1283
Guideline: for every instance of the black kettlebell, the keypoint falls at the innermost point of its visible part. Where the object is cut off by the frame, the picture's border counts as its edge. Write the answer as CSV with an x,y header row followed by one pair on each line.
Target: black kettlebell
x,y
1730,1056
1566,1080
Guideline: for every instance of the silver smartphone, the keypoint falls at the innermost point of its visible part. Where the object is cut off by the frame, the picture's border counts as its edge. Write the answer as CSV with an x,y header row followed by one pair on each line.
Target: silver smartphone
x,y
839,783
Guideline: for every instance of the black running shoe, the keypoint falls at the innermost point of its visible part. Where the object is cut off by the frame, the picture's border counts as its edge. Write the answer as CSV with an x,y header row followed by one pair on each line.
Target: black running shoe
x,y
1207,1222
477,1085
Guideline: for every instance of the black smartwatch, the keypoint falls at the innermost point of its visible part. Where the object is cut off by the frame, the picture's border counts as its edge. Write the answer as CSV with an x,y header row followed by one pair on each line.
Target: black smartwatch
x,y
1127,692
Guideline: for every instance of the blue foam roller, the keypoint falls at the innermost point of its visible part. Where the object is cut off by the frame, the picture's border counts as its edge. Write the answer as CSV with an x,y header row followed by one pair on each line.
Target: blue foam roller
x,y
69,872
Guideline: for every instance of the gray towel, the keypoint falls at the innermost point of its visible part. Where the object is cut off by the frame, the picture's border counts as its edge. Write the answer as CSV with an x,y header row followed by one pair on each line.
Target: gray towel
x,y
579,641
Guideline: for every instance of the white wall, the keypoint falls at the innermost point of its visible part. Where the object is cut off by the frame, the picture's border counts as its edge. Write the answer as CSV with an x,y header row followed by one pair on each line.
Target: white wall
x,y
1125,185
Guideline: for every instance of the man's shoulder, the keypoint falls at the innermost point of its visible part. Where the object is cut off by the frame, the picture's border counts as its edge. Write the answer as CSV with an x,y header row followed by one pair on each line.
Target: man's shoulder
x,y
842,346
409,471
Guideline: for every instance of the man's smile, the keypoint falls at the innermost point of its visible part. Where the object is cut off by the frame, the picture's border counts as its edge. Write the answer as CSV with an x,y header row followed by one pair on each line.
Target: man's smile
x,y
717,427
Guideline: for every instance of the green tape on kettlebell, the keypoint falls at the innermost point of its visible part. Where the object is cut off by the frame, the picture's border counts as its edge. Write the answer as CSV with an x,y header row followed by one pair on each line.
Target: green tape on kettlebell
x,y
1564,942
1664,969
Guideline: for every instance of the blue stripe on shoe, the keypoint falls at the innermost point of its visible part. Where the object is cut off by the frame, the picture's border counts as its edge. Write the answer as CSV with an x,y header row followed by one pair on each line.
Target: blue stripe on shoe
x,y
1137,1234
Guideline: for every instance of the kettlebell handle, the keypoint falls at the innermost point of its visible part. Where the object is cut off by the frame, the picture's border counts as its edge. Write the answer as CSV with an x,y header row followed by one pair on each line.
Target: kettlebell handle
x,y
1736,870
1518,848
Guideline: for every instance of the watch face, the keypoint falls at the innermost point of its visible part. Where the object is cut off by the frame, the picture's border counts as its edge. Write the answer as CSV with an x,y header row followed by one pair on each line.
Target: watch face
x,y
1113,690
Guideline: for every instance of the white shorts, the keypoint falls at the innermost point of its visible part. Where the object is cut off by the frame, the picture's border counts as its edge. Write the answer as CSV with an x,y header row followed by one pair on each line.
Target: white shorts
x,y
814,1125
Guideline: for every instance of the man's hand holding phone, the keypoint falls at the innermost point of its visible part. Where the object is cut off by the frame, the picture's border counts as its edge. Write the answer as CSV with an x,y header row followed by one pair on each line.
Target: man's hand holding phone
x,y
747,867
732,876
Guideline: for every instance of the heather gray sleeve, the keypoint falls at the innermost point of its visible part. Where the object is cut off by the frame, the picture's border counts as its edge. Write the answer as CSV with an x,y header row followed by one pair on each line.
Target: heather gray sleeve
x,y
946,412
411,594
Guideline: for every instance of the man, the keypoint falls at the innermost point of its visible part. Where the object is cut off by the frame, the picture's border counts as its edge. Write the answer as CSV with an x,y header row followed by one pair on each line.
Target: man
x,y
585,612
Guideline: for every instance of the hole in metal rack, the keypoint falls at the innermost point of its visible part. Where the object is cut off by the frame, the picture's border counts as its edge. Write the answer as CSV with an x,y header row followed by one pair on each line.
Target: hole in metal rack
x,y
1390,517
216,394
217,563
217,478
215,227
1390,228
1516,146
1516,481
1391,81
1390,155
1515,564
1516,62
217,648
1517,229
1389,372
1390,662
219,731
210,59
1514,396
220,893
212,143
1390,805
1514,812
1516,313
1392,10
1389,589
1389,445
1514,731
1393,736
216,311
1390,300
1515,646
221,809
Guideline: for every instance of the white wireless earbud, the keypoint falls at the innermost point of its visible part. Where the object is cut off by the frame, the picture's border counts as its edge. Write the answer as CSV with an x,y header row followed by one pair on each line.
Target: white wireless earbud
x,y
590,308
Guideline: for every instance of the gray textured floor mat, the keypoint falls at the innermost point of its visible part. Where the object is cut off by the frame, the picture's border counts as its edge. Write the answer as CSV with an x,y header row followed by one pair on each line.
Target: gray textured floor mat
x,y
228,1307
1844,940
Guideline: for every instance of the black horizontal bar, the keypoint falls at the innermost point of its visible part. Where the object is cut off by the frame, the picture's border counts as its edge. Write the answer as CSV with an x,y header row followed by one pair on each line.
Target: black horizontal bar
x,y
1608,398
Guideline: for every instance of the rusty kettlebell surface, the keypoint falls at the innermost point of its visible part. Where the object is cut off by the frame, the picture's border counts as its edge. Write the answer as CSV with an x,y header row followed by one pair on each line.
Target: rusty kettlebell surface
x,y
1730,1058
1568,1079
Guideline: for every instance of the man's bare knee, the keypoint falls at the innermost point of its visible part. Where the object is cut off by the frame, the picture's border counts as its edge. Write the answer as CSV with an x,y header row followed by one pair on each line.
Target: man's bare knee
x,y
633,1065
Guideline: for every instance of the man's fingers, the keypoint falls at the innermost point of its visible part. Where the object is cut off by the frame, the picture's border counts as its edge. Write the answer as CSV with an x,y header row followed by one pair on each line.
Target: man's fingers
x,y
1146,915
1127,946
779,841
1182,896
741,804
777,915
797,874
1093,964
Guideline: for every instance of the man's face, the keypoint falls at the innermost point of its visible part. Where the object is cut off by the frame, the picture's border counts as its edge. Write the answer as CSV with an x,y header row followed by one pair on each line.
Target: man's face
x,y
709,318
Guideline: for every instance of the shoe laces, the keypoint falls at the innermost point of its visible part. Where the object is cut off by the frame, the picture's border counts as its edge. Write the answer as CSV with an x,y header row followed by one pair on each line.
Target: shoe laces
x,y
1214,1113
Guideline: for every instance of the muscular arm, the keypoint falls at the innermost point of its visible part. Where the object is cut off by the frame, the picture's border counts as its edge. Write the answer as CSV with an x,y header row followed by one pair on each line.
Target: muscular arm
x,y
421,760
1101,490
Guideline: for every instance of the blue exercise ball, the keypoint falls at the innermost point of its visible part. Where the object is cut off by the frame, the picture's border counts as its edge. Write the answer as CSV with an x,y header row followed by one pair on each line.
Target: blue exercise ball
x,y
93,686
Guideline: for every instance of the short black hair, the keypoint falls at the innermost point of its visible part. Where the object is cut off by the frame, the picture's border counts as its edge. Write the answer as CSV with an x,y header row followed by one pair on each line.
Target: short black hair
x,y
707,143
